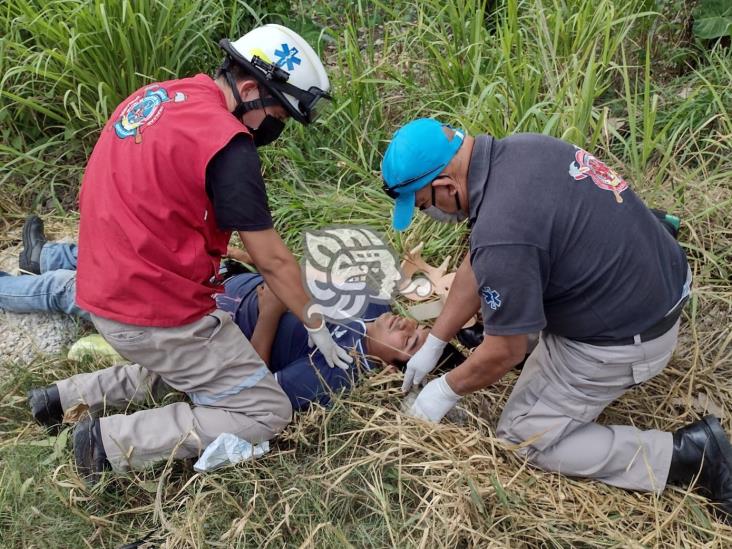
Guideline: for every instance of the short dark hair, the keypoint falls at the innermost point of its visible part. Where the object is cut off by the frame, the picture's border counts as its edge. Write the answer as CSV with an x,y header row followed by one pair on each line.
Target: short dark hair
x,y
237,71
240,74
450,359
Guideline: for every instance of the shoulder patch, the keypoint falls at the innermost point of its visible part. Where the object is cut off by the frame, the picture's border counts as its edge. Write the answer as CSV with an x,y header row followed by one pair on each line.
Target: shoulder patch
x,y
491,297
585,165
143,111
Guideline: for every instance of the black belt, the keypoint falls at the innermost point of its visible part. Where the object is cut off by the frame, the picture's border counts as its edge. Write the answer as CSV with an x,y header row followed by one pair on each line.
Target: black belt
x,y
655,331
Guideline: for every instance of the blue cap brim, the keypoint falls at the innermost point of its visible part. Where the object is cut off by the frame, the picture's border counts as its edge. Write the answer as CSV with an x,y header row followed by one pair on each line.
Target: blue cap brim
x,y
403,211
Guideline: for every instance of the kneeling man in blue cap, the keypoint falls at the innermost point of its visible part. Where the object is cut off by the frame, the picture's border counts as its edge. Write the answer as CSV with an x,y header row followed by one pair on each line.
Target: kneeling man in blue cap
x,y
560,244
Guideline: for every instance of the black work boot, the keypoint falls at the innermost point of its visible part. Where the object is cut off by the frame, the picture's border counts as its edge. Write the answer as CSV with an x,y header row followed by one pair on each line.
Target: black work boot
x,y
45,405
702,453
89,455
29,259
471,337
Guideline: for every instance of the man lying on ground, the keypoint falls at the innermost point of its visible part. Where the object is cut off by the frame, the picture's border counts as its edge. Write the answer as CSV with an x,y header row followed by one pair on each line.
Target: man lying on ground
x,y
277,336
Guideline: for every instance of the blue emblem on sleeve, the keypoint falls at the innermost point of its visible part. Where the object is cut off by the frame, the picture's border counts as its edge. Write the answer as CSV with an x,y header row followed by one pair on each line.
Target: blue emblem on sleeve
x,y
287,56
491,297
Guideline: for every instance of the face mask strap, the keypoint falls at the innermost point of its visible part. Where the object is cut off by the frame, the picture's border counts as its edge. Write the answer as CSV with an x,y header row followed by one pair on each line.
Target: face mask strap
x,y
457,199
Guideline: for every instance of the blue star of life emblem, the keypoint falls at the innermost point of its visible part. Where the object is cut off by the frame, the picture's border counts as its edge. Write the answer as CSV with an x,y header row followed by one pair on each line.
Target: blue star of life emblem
x,y
287,56
491,297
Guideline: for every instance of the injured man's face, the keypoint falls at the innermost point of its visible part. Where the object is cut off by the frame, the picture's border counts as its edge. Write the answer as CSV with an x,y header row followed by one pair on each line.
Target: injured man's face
x,y
394,339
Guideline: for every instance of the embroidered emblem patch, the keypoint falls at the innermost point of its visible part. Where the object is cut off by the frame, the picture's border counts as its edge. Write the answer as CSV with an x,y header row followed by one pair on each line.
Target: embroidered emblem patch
x,y
491,297
143,111
287,56
586,165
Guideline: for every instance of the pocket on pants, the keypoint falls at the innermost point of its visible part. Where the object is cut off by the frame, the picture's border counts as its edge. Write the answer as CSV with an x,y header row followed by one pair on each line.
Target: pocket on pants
x,y
647,369
225,340
555,403
126,336
209,328
542,424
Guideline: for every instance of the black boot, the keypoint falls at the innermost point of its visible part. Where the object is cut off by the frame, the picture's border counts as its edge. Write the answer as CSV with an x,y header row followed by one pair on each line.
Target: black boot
x,y
29,259
45,405
471,337
703,455
89,454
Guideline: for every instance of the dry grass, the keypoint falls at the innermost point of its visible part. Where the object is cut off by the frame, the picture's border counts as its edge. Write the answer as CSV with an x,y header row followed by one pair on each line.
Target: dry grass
x,y
363,474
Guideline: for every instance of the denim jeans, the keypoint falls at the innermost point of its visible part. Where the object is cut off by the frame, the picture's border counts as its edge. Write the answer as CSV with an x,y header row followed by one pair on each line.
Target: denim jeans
x,y
54,290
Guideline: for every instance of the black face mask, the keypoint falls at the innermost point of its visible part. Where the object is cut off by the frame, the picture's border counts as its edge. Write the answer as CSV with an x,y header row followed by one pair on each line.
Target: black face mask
x,y
269,130
271,127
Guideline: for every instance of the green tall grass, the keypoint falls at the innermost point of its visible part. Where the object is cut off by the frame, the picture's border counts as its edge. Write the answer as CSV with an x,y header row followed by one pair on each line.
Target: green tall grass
x,y
74,61
66,64
581,71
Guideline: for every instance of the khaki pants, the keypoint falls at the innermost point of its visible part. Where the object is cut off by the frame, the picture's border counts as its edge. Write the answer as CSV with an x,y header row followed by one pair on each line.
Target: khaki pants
x,y
564,387
210,360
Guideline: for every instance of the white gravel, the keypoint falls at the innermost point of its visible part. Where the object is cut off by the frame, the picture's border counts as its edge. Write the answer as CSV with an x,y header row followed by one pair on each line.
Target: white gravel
x,y
25,337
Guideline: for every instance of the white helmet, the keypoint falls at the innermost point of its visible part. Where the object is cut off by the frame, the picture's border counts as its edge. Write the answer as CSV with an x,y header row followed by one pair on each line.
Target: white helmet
x,y
282,61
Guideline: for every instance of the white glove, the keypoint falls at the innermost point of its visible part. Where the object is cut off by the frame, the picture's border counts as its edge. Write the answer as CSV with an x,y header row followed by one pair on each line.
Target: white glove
x,y
435,400
334,355
423,362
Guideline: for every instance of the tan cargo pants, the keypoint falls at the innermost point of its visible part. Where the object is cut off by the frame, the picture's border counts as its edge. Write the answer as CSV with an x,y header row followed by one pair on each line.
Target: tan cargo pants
x,y
564,387
210,360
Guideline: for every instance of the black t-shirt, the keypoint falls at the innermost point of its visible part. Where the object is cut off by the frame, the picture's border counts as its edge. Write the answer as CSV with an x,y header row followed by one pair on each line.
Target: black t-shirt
x,y
560,242
235,186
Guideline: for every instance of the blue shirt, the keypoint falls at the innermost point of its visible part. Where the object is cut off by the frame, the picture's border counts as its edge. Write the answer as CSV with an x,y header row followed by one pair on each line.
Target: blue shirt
x,y
302,372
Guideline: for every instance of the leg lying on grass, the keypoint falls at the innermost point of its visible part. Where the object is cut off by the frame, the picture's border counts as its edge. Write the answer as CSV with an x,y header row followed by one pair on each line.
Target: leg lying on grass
x,y
53,289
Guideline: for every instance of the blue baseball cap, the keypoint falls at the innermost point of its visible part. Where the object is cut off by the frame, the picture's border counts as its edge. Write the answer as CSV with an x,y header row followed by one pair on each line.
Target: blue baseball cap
x,y
417,154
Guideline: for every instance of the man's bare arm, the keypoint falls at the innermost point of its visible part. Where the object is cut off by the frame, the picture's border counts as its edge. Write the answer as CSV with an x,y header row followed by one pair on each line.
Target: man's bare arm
x,y
239,254
271,310
488,363
462,303
280,271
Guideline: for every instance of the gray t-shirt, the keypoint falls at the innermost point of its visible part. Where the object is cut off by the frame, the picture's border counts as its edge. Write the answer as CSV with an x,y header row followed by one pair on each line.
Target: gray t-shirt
x,y
560,243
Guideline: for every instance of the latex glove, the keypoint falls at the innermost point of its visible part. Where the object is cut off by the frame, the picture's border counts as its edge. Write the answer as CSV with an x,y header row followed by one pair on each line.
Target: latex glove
x,y
334,355
435,400
423,362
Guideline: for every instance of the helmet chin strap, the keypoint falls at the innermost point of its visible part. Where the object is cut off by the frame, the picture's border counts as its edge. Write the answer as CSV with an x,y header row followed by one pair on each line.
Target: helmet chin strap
x,y
243,107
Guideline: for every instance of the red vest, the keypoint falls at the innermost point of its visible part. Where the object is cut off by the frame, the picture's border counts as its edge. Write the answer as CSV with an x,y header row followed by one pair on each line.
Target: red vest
x,y
149,246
